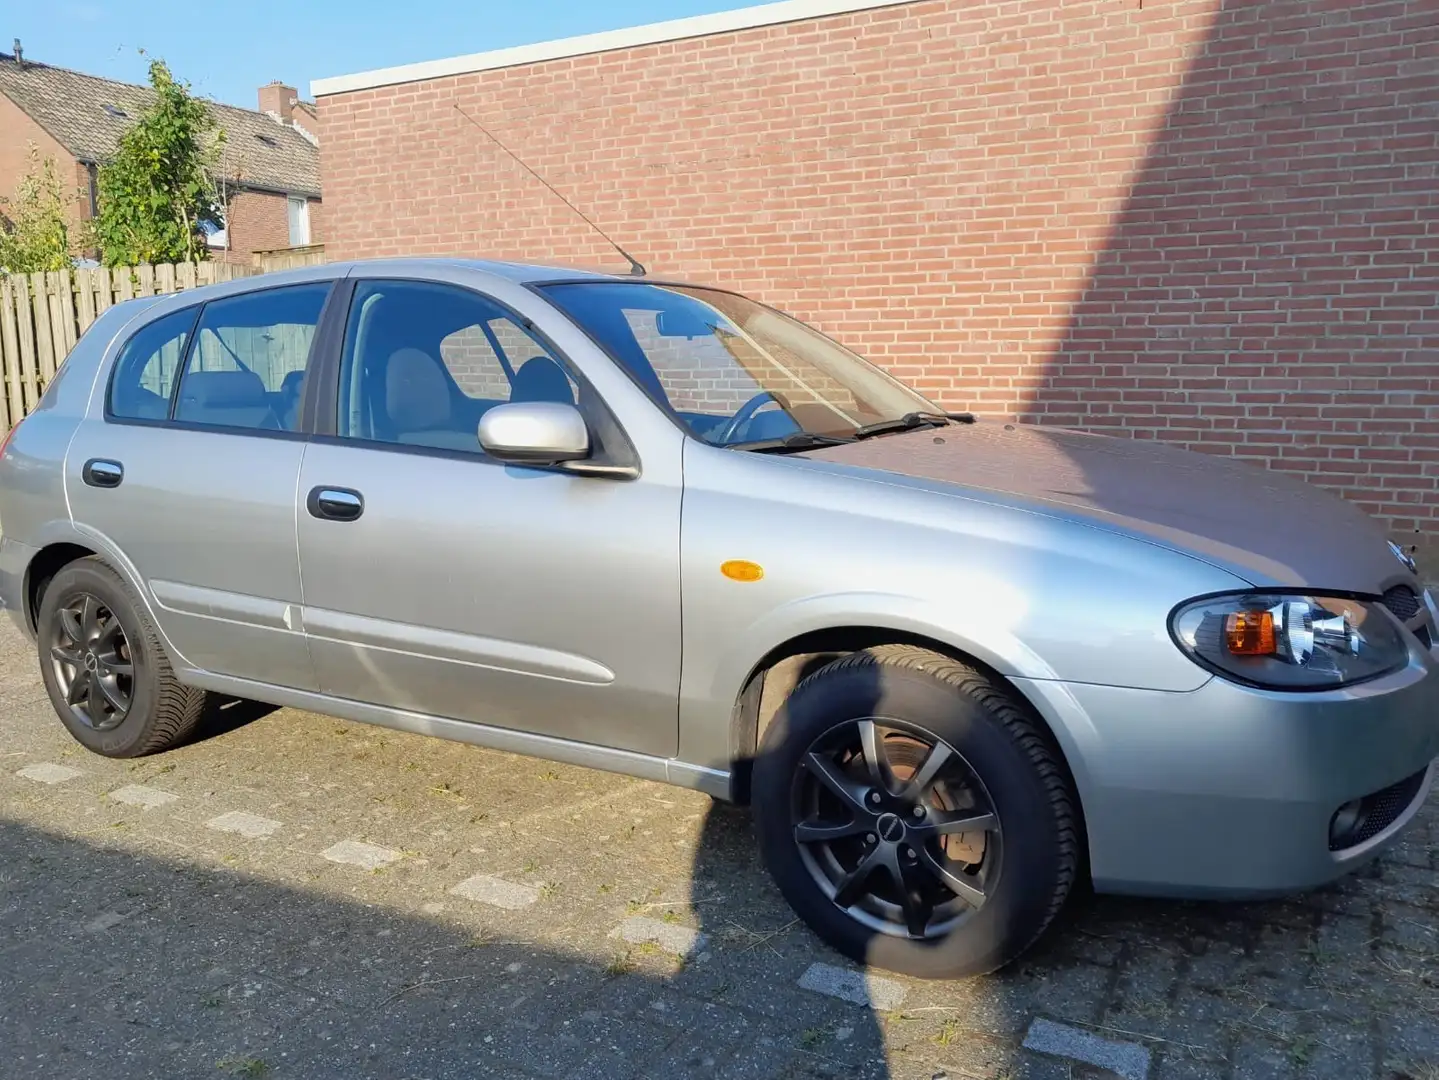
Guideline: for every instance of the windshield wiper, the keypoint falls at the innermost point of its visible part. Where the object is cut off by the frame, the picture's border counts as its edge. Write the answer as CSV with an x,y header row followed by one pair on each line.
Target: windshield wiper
x,y
800,440
910,421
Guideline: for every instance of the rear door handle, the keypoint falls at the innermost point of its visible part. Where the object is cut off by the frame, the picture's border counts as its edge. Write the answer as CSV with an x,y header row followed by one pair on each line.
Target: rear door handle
x,y
102,473
335,504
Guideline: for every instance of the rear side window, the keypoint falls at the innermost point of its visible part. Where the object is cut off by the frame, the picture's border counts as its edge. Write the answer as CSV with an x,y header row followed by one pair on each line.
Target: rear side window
x,y
145,373
247,364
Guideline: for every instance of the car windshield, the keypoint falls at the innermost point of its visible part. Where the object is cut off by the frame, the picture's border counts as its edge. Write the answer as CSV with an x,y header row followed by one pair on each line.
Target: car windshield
x,y
736,373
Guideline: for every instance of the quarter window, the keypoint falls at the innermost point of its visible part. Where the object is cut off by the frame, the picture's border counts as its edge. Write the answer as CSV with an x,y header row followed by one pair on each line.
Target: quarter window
x,y
247,365
145,372
424,361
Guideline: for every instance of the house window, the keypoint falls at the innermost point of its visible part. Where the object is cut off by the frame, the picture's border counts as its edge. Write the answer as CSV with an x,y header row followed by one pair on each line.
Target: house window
x,y
299,214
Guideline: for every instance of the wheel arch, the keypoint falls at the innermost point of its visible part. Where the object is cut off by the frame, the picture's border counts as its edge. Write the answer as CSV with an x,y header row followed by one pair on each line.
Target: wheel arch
x,y
63,543
774,677
48,562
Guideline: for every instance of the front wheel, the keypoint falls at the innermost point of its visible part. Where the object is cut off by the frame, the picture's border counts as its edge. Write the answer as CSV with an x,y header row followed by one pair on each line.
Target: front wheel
x,y
913,815
105,667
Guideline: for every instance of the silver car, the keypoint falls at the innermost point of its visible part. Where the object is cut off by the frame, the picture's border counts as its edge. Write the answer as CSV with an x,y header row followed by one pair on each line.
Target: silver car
x,y
954,666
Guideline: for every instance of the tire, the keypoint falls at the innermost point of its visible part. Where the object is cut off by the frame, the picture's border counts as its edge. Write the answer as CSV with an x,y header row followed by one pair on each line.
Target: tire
x,y
160,711
997,773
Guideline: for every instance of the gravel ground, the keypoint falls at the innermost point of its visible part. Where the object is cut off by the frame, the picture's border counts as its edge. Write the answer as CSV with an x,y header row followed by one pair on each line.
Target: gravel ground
x,y
295,896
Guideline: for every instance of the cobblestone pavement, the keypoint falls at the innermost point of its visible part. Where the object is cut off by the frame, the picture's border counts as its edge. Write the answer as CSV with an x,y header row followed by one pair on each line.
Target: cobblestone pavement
x,y
295,896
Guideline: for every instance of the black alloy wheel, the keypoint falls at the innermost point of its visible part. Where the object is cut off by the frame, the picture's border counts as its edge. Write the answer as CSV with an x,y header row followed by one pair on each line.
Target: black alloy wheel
x,y
91,660
895,827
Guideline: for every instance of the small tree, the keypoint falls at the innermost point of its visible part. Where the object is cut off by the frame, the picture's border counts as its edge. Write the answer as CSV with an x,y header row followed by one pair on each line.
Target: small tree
x,y
35,224
157,191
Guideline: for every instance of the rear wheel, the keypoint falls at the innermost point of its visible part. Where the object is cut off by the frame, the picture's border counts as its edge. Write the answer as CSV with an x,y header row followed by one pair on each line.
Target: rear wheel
x,y
914,815
105,668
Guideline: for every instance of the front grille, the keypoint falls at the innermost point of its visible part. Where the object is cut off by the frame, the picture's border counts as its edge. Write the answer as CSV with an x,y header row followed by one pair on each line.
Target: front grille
x,y
1378,811
1402,601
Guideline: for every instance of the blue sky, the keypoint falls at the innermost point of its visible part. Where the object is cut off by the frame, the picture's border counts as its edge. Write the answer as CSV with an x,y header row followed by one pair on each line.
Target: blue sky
x,y
227,51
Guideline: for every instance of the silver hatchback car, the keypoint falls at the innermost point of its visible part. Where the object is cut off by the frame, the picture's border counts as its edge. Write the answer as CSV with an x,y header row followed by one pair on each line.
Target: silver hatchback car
x,y
955,667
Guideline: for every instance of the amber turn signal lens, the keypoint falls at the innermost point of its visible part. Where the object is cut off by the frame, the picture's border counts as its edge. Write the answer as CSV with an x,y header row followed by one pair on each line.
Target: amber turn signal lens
x,y
742,570
1250,633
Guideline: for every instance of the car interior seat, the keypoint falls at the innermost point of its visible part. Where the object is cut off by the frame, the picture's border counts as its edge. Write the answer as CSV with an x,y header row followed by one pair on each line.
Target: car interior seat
x,y
541,379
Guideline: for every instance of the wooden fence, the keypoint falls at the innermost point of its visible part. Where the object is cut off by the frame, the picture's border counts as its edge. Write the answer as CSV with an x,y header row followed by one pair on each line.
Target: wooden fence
x,y
43,315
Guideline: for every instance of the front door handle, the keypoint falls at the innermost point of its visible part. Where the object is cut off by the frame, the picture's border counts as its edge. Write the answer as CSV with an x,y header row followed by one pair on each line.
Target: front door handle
x,y
335,504
102,473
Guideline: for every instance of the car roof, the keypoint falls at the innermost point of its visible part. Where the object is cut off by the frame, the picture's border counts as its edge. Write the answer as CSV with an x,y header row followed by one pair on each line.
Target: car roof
x,y
518,272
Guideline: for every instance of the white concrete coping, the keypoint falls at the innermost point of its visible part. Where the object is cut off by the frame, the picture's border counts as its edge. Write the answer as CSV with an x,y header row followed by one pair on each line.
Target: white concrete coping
x,y
695,26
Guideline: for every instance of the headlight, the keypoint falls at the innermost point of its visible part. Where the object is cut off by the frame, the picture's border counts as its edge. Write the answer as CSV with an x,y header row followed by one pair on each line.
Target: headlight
x,y
1290,642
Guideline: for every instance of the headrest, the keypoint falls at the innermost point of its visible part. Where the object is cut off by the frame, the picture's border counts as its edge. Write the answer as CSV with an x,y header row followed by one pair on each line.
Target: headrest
x,y
541,379
417,395
223,390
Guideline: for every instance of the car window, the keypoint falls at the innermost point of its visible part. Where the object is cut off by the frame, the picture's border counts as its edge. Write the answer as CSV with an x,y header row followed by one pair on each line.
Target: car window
x,y
733,371
247,365
424,361
145,372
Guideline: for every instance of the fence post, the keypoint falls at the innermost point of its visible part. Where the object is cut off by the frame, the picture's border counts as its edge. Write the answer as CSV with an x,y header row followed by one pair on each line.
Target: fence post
x,y
146,273
44,335
104,291
25,324
165,278
62,312
84,300
10,348
186,275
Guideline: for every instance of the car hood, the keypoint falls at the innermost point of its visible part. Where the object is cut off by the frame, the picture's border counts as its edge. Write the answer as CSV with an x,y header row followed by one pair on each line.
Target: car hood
x,y
1260,525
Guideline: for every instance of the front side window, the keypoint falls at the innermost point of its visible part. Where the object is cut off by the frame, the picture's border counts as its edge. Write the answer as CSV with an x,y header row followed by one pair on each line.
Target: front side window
x,y
247,364
733,371
423,362
145,372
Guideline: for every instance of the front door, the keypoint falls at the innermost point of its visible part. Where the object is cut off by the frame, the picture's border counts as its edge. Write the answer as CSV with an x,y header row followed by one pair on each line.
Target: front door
x,y
188,467
439,581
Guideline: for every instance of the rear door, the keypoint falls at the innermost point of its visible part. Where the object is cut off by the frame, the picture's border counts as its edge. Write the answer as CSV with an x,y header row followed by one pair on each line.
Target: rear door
x,y
187,465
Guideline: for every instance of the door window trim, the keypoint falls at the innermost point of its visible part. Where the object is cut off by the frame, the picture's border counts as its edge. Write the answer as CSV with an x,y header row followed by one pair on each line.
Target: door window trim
x,y
302,431
617,449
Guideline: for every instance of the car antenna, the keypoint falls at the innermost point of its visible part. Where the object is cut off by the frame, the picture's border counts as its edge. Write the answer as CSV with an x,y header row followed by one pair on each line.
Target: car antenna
x,y
636,269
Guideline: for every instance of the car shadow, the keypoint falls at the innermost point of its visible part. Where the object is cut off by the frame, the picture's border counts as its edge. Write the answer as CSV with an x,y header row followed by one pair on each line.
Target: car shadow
x,y
224,714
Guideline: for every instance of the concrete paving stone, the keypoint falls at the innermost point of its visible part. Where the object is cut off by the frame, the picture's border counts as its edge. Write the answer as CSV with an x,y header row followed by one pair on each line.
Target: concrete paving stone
x,y
671,937
1126,1059
855,987
250,826
1257,1058
1179,1066
484,889
147,798
358,853
45,772
1078,992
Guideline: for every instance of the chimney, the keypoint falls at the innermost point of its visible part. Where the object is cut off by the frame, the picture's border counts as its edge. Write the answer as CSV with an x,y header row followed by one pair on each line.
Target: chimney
x,y
278,100
19,53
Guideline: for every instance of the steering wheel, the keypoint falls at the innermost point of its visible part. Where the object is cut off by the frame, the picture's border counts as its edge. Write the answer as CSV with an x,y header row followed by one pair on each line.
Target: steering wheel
x,y
747,410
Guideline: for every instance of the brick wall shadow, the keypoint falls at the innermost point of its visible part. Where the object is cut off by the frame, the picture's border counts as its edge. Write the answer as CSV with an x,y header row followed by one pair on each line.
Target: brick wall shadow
x,y
1271,288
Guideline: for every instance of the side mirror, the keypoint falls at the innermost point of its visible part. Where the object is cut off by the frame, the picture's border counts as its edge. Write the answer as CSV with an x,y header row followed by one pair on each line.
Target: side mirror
x,y
535,433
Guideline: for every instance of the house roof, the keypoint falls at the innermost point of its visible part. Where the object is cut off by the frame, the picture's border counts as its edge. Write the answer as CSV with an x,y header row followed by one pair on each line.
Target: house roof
x,y
87,115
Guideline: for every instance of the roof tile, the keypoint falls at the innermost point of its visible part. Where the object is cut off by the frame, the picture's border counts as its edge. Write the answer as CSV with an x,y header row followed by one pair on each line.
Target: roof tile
x,y
71,106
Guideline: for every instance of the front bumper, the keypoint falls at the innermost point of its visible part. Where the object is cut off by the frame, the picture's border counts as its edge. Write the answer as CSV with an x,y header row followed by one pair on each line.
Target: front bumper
x,y
1229,791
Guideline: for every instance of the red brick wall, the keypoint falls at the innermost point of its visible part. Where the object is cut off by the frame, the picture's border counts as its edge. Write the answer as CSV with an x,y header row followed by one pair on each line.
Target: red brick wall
x,y
259,221
1212,222
17,133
